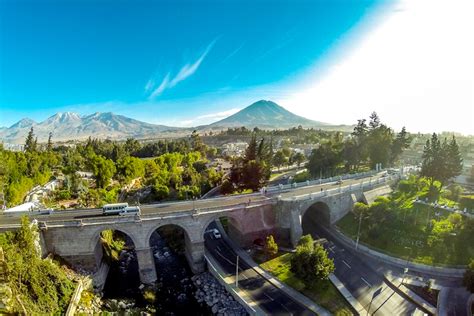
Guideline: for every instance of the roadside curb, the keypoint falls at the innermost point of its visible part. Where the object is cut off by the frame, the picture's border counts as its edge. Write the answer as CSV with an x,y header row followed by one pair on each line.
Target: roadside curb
x,y
358,308
302,299
396,284
470,301
250,306
433,270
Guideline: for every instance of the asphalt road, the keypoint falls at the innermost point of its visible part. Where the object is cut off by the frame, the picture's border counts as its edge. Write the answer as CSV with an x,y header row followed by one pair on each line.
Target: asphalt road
x,y
269,298
160,208
360,277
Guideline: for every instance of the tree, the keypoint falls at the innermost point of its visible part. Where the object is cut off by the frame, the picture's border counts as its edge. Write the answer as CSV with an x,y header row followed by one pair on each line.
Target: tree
x,y
251,150
440,161
279,159
374,121
454,161
325,159
49,147
306,241
129,168
380,144
271,247
103,170
311,265
401,142
468,278
132,146
30,142
196,143
299,158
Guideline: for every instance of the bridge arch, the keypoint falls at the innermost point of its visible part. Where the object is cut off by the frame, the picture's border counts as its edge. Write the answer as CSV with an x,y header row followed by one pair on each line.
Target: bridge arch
x,y
233,217
187,234
188,241
318,213
96,247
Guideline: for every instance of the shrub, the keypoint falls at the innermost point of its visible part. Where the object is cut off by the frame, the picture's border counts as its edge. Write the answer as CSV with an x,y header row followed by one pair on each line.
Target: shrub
x,y
271,247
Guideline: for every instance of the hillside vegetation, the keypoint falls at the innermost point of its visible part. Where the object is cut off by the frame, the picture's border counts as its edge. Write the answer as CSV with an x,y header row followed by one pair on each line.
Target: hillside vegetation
x,y
39,286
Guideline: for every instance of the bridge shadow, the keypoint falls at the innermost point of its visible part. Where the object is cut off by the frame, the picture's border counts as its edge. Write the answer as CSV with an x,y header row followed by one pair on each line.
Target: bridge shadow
x,y
252,283
92,216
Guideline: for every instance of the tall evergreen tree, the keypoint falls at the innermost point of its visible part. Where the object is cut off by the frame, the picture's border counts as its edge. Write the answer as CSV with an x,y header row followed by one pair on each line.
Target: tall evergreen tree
x,y
374,120
441,161
454,160
401,142
50,142
30,142
251,151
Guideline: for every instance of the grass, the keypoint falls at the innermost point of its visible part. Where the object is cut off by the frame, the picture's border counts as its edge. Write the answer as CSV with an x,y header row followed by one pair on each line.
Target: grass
x,y
324,294
246,191
406,236
276,175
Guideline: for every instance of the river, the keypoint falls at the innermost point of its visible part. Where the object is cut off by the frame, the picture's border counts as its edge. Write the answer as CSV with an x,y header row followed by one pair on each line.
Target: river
x,y
175,290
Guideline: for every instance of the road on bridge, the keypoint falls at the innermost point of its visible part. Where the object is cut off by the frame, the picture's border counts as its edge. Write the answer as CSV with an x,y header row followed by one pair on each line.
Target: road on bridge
x,y
268,297
172,207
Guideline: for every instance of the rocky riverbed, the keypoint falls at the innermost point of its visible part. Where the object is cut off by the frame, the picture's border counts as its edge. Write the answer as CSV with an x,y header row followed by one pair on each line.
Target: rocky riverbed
x,y
209,291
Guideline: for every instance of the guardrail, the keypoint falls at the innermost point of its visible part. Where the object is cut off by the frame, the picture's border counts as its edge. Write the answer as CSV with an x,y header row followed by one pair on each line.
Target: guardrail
x,y
343,189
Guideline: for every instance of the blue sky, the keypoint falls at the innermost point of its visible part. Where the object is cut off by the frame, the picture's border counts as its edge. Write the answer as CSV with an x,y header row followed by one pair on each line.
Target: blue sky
x,y
177,62
58,55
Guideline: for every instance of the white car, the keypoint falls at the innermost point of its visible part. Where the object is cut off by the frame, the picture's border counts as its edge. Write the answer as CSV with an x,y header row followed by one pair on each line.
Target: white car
x,y
216,234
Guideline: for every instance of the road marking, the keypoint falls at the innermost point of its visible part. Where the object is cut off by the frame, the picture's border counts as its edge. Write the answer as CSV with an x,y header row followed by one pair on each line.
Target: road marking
x,y
365,281
330,249
344,261
218,248
268,296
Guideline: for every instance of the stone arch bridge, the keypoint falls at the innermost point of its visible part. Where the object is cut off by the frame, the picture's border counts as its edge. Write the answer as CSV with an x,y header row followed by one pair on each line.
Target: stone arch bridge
x,y
76,237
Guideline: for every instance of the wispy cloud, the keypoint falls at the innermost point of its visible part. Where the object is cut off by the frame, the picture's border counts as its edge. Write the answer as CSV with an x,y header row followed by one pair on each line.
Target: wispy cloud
x,y
235,51
185,72
149,85
209,118
163,85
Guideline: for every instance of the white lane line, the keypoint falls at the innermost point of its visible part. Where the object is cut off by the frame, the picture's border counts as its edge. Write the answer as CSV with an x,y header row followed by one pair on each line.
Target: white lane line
x,y
365,281
347,265
218,248
268,296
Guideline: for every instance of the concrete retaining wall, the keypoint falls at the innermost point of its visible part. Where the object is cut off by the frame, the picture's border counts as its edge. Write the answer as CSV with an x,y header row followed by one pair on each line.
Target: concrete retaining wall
x,y
441,271
250,306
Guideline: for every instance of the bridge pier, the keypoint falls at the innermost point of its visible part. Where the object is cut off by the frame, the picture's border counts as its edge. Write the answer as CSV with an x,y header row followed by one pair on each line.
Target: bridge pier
x,y
146,265
296,228
195,256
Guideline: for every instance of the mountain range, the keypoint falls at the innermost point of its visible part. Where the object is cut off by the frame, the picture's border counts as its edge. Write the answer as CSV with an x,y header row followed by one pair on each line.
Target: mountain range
x,y
72,126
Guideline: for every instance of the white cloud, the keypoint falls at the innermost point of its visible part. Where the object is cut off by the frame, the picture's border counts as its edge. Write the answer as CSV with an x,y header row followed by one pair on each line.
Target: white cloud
x,y
149,85
208,118
163,85
415,69
185,72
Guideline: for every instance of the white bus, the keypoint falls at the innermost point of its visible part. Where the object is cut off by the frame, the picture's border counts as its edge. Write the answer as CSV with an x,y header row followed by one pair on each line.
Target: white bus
x,y
113,209
120,209
130,210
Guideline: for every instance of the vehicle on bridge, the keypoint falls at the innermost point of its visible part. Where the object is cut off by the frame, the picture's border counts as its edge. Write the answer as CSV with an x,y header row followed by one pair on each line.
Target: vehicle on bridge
x,y
120,209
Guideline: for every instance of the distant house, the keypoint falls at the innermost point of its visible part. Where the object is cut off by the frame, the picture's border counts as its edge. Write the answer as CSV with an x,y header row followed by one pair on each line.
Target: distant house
x,y
39,192
85,174
236,149
220,164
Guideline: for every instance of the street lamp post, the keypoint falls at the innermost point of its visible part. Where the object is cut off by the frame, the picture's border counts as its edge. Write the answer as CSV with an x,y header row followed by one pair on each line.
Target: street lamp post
x,y
405,271
237,273
358,230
